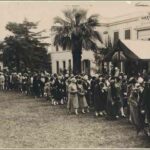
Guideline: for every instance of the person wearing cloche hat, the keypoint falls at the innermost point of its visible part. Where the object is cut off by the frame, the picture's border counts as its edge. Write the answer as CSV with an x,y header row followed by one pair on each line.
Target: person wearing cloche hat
x,y
73,103
134,105
146,105
81,96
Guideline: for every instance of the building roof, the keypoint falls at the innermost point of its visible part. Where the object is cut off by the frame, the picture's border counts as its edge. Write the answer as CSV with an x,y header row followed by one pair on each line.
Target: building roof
x,y
139,47
134,50
126,17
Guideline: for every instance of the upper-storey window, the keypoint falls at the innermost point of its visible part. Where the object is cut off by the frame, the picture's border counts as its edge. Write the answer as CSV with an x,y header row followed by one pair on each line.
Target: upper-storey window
x,y
116,36
57,48
127,34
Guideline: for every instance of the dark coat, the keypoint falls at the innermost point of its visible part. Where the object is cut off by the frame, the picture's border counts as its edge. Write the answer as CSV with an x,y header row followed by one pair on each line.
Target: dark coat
x,y
146,100
99,95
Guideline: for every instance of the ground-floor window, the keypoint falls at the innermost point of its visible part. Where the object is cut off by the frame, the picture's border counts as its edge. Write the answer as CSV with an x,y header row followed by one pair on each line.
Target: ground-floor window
x,y
69,67
64,65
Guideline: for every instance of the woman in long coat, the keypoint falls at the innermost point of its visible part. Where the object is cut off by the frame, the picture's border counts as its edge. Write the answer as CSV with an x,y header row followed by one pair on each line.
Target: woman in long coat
x,y
81,96
118,86
36,86
98,98
73,103
146,104
113,101
134,107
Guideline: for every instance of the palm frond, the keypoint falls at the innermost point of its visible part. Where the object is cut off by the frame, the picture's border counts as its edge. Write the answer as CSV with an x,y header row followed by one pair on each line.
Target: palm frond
x,y
61,21
89,44
93,21
96,35
62,41
69,15
80,16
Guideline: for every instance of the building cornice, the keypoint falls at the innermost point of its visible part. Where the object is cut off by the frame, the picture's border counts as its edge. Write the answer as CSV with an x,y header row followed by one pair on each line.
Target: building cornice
x,y
142,28
120,22
56,52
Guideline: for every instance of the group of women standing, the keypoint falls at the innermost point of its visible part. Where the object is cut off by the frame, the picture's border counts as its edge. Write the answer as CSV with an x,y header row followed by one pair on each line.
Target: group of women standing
x,y
112,96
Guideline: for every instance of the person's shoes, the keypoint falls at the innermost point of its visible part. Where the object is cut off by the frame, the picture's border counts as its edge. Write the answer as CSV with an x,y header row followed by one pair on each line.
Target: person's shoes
x,y
83,111
76,113
96,114
117,117
104,113
123,116
61,102
55,103
101,113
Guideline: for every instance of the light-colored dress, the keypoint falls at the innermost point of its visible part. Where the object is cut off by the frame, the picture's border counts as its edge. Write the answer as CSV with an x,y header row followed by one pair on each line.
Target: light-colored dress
x,y
134,109
73,97
81,97
2,82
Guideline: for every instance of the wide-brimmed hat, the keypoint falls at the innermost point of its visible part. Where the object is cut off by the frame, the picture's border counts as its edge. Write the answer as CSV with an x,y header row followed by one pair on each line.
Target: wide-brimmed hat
x,y
85,77
66,75
73,80
140,80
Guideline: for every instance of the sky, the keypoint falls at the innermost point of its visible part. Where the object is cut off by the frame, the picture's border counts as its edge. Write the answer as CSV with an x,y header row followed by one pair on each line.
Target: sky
x,y
45,11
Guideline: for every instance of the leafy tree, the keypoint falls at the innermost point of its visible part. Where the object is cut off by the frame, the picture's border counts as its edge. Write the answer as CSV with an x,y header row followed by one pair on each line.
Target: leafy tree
x,y
24,49
76,32
101,53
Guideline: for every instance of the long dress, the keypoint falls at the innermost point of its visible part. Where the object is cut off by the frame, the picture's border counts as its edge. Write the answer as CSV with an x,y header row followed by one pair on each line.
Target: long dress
x,y
86,86
100,96
97,102
113,101
36,86
2,81
146,101
134,108
73,102
81,96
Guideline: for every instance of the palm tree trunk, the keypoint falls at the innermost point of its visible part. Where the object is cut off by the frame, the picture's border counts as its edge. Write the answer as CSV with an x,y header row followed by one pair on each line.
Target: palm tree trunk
x,y
17,63
76,53
76,62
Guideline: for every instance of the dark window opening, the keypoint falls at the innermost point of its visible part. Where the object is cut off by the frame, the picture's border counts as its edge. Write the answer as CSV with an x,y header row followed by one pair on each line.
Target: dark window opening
x,y
116,37
127,35
64,65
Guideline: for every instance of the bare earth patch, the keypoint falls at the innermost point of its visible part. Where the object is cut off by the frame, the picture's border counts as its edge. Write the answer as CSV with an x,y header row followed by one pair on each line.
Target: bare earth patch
x,y
26,122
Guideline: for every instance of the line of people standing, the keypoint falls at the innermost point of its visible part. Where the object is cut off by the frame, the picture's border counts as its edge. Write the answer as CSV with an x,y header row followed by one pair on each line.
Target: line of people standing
x,y
115,96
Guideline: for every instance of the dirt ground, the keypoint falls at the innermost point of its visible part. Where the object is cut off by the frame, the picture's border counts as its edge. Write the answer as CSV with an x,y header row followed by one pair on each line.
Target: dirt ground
x,y
26,122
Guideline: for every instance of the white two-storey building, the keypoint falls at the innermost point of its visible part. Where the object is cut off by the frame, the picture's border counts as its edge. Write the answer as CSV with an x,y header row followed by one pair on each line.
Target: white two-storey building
x,y
135,26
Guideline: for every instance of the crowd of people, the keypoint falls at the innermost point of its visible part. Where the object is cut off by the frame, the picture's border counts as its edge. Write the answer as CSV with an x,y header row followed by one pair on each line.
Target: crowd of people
x,y
113,96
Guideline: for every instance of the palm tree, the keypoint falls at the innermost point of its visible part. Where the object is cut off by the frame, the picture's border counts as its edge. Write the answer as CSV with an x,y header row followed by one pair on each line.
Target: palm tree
x,y
76,32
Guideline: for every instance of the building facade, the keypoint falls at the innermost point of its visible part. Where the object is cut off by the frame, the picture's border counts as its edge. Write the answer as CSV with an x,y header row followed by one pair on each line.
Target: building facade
x,y
62,61
135,26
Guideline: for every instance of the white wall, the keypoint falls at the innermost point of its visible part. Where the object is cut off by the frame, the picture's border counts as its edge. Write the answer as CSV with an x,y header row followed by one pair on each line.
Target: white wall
x,y
60,56
107,29
66,55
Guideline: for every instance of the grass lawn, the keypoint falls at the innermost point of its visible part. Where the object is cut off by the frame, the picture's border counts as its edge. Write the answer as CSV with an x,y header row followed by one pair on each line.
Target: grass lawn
x,y
26,122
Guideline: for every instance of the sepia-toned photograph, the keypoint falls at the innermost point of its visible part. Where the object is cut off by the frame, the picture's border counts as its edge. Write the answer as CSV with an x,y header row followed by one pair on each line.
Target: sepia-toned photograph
x,y
74,74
